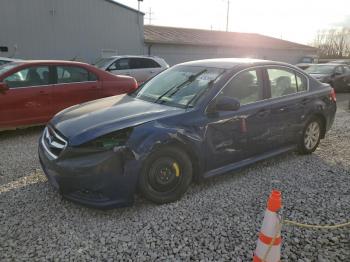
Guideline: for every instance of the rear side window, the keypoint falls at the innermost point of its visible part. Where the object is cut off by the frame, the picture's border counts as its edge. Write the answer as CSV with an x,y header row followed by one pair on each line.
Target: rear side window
x,y
73,74
246,87
149,63
285,82
140,63
32,76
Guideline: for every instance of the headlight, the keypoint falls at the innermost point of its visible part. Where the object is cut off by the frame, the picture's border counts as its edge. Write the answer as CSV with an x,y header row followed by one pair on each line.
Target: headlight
x,y
110,141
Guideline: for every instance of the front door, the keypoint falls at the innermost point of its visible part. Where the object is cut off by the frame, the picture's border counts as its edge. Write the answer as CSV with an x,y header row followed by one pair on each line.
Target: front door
x,y
232,136
28,100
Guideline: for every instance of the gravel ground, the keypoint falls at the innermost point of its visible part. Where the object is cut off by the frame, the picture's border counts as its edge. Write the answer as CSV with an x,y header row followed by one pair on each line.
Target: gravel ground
x,y
217,220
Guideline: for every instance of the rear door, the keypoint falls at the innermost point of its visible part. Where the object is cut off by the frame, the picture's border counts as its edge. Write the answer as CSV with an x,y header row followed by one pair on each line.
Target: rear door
x,y
149,68
74,85
29,98
289,102
140,69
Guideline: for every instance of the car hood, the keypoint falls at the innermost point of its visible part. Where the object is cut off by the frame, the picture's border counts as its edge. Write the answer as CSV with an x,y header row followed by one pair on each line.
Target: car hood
x,y
85,122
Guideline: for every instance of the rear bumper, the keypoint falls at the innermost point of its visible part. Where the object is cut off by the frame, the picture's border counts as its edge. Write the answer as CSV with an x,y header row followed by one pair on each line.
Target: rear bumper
x,y
100,180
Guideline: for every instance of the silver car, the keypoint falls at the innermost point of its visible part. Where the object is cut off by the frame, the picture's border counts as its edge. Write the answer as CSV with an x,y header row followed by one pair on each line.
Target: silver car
x,y
140,67
5,60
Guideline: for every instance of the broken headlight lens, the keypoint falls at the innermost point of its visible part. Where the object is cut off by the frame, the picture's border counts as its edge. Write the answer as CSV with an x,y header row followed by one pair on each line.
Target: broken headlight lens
x,y
111,140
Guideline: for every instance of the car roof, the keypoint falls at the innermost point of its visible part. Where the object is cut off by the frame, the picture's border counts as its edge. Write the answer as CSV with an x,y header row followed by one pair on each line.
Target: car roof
x,y
134,56
228,63
329,64
38,62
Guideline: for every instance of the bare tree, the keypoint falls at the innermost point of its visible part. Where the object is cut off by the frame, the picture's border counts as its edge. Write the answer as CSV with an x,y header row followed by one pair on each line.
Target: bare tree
x,y
333,43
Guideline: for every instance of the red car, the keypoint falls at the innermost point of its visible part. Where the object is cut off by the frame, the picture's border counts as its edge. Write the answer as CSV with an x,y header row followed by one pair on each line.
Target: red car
x,y
32,92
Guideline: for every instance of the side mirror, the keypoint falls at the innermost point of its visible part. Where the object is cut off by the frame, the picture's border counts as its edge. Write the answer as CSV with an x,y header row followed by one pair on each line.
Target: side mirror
x,y
226,103
3,87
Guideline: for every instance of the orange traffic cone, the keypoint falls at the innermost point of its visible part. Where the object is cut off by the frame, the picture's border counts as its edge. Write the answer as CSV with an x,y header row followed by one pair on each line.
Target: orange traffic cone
x,y
269,243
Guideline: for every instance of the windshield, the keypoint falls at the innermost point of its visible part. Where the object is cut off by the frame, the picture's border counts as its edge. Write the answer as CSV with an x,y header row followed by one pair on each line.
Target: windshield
x,y
7,67
320,69
103,62
180,86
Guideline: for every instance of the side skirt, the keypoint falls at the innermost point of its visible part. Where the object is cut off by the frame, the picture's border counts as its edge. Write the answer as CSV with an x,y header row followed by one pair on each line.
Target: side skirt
x,y
248,161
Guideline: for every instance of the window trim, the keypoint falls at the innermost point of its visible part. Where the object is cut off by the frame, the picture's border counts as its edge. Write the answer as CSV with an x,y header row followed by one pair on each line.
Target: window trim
x,y
263,67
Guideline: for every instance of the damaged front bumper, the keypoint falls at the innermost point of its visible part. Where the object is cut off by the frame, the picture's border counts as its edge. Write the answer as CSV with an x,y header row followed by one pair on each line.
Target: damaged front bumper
x,y
104,179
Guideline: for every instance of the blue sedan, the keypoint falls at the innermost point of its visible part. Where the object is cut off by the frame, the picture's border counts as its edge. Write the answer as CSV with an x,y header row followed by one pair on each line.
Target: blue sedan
x,y
195,120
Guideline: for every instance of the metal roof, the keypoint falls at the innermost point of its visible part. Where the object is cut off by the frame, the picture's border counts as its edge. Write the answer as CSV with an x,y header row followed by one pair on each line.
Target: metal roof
x,y
188,36
125,6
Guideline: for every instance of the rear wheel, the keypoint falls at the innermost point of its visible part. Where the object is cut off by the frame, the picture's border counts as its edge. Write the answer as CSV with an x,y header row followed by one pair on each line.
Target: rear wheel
x,y
166,175
311,136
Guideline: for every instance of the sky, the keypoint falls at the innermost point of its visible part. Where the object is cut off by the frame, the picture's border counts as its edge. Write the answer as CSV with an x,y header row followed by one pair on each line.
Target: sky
x,y
292,20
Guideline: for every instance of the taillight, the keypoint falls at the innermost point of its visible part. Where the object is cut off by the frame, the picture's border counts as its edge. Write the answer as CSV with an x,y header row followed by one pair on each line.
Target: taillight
x,y
332,95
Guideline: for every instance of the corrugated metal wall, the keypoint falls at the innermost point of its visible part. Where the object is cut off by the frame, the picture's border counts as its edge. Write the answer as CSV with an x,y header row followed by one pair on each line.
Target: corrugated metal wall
x,y
175,54
67,29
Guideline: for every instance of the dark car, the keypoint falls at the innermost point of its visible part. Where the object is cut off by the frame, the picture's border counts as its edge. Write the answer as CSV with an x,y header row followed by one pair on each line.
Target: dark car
x,y
193,121
343,62
337,75
32,92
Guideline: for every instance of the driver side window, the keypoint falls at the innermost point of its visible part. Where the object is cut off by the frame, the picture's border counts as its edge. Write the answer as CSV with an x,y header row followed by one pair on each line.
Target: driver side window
x,y
120,64
29,77
246,87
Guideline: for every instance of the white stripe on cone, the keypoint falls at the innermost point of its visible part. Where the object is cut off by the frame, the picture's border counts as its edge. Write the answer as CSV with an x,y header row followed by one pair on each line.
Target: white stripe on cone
x,y
269,227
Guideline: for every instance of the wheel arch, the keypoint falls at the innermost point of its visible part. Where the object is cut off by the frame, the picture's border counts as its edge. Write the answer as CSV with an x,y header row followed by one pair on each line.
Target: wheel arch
x,y
323,120
188,149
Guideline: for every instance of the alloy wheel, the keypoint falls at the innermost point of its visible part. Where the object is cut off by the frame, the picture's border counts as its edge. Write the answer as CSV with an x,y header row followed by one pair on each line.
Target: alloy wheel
x,y
312,135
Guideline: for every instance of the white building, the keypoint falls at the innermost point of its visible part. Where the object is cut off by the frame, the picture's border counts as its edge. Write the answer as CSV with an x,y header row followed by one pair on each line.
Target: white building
x,y
177,45
69,29
85,30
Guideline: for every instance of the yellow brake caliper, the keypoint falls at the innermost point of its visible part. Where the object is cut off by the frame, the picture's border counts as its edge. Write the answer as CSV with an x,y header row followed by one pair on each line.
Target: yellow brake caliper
x,y
177,169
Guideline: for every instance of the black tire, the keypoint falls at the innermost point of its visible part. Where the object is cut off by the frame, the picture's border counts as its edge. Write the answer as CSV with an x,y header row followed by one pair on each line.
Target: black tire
x,y
307,146
166,175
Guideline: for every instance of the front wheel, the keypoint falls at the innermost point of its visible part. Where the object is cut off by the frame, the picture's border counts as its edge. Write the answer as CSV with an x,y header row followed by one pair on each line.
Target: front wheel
x,y
166,175
311,136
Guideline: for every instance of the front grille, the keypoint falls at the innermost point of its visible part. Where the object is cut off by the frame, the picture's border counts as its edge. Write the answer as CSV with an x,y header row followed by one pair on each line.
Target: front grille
x,y
53,143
